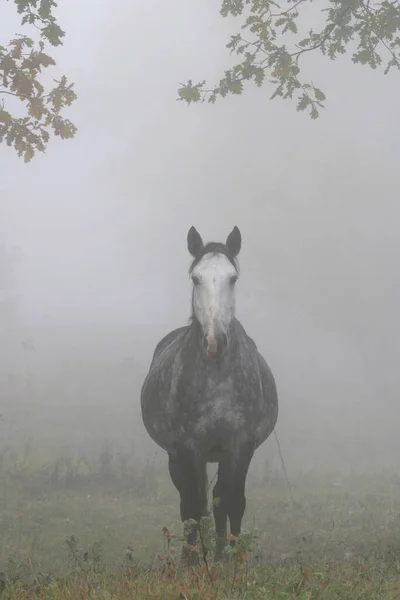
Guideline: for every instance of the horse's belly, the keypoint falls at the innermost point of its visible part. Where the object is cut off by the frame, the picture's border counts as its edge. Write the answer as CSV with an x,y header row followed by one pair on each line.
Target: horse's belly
x,y
210,421
215,428
156,417
215,454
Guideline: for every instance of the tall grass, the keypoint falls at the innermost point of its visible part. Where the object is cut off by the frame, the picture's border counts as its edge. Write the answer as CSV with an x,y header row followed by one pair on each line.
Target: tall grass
x,y
107,526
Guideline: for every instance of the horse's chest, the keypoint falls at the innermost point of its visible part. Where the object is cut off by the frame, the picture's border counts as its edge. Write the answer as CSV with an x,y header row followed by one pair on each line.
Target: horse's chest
x,y
213,406
218,398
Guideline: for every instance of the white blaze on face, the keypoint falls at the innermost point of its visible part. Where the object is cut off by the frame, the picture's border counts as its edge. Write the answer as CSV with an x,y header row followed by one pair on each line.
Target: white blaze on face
x,y
214,296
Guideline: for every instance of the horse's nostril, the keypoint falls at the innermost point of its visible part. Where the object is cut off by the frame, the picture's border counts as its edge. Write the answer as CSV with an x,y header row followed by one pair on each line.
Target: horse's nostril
x,y
215,346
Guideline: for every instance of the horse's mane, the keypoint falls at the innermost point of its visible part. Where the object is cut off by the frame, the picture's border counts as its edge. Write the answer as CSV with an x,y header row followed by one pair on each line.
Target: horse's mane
x,y
214,248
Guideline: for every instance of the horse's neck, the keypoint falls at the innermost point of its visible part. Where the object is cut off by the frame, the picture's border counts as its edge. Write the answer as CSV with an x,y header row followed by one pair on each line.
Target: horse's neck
x,y
194,337
194,332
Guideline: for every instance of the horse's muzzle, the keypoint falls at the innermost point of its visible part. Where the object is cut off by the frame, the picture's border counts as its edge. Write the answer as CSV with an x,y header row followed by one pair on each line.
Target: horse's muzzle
x,y
215,345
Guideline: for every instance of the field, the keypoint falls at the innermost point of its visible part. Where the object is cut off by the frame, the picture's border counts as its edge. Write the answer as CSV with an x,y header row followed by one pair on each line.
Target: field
x,y
109,528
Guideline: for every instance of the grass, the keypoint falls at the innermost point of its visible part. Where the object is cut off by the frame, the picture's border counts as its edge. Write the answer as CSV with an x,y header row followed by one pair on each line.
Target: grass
x,y
109,528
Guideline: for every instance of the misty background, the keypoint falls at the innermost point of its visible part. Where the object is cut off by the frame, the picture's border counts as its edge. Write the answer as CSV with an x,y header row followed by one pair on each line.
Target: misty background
x,y
93,255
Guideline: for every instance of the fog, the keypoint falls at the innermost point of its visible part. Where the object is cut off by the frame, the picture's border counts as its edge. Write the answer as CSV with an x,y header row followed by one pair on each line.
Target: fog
x,y
93,255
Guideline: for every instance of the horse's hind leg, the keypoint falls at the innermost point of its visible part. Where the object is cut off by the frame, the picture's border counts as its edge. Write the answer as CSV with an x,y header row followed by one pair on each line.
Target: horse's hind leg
x,y
190,479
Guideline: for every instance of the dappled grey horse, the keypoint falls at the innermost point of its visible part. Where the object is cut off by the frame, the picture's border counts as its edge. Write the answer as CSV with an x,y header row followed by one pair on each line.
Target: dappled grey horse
x,y
209,395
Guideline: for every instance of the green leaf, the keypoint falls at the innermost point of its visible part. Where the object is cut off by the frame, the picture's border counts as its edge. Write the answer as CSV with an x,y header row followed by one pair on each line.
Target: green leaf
x,y
36,108
45,60
373,27
65,129
22,5
190,93
235,40
5,116
363,57
319,95
233,7
259,77
45,8
304,43
21,64
29,154
303,102
53,33
7,65
236,87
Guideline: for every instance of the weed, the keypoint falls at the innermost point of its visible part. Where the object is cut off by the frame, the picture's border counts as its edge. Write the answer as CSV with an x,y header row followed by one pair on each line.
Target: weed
x,y
64,525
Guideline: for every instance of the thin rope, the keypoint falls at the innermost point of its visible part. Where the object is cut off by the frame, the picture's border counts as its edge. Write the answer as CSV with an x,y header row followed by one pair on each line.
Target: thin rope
x,y
284,469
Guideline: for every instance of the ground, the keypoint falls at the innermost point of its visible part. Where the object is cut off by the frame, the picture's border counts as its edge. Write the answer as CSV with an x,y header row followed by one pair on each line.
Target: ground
x,y
110,528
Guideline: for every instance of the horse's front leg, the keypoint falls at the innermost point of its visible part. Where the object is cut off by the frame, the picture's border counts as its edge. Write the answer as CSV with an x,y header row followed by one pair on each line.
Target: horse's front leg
x,y
189,477
229,494
220,492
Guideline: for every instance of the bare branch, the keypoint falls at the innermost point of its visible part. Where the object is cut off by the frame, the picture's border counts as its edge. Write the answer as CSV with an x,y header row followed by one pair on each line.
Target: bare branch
x,y
8,93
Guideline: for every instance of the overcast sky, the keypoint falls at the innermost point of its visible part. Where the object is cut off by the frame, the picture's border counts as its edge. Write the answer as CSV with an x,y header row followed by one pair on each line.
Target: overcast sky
x,y
101,221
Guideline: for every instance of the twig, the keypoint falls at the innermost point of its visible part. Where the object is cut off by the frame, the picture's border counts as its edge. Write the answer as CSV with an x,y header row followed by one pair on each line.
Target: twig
x,y
204,554
286,12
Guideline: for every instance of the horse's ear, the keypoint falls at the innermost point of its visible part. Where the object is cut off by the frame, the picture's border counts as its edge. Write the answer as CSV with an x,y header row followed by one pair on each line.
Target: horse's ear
x,y
234,242
194,241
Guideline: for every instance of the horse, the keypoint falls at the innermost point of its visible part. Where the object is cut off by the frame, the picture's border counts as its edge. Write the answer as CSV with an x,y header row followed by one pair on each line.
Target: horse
x,y
210,397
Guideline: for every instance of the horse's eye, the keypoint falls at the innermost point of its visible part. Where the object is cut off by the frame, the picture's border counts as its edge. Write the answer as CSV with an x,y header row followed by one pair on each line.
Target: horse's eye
x,y
233,279
195,280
